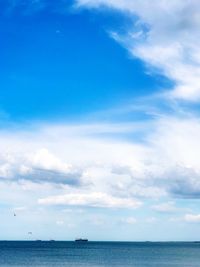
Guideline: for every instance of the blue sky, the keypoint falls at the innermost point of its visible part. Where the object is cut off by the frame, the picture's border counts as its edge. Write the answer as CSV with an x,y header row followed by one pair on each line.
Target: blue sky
x,y
99,112
64,64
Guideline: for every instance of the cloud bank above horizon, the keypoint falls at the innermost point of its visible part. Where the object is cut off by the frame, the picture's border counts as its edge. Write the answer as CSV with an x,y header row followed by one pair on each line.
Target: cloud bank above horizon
x,y
166,163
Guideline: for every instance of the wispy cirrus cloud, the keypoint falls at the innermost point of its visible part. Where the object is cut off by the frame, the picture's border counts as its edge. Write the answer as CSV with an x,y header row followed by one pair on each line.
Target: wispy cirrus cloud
x,y
165,36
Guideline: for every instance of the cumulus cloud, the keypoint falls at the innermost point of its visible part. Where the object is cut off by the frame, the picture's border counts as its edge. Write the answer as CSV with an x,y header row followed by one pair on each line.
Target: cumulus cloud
x,y
165,35
38,166
95,199
166,164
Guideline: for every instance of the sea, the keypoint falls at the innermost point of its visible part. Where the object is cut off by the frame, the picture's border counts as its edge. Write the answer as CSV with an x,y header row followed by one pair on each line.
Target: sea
x,y
99,254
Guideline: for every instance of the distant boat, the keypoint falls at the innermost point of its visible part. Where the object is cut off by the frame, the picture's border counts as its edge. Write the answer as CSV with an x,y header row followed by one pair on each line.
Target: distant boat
x,y
51,240
38,240
81,240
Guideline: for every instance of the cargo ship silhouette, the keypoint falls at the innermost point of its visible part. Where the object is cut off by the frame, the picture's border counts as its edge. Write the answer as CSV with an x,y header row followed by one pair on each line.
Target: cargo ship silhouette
x,y
81,240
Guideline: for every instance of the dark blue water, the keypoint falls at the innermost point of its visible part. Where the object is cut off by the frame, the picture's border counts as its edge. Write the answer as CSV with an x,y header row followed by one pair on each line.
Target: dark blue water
x,y
98,254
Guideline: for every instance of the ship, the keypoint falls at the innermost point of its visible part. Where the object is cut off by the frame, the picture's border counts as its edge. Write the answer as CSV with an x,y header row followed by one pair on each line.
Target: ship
x,y
81,240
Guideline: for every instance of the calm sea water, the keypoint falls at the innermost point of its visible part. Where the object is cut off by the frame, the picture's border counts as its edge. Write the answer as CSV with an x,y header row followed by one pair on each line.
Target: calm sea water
x,y
99,254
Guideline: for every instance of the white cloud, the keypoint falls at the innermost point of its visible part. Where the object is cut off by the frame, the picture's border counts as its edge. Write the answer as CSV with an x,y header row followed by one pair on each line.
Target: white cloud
x,y
165,36
192,218
129,220
165,164
94,199
47,161
60,222
167,207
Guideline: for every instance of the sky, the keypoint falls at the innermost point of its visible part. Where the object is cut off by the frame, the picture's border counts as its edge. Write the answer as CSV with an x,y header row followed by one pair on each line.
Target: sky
x,y
99,120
